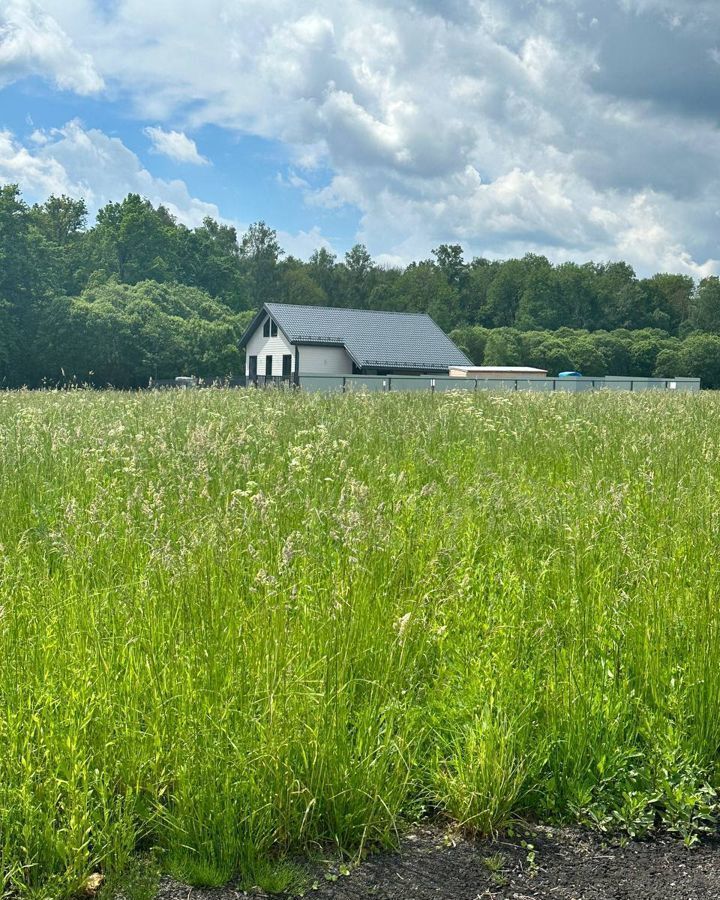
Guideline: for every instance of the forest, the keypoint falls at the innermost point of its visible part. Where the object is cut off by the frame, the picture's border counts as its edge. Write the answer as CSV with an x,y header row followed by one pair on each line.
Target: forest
x,y
138,295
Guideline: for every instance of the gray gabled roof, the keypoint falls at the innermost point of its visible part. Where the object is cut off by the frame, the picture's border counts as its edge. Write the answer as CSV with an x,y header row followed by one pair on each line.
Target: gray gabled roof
x,y
372,338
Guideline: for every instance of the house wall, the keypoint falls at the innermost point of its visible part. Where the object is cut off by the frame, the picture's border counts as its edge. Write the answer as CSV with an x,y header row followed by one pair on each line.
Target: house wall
x,y
273,346
319,360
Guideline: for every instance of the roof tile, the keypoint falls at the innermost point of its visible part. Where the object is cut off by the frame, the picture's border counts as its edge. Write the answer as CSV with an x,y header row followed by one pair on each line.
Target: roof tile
x,y
373,338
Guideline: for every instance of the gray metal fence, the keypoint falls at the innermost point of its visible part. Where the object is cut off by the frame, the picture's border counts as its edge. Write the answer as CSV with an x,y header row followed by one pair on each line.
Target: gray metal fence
x,y
440,383
349,383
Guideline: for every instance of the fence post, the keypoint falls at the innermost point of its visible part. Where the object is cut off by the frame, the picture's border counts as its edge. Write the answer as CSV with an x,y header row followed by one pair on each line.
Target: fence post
x,y
343,390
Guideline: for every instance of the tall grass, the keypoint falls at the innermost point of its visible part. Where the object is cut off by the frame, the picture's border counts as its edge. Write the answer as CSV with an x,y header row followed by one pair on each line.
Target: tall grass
x,y
237,624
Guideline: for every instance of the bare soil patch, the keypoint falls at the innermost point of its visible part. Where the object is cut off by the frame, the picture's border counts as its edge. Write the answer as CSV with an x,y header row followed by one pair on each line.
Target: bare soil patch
x,y
540,862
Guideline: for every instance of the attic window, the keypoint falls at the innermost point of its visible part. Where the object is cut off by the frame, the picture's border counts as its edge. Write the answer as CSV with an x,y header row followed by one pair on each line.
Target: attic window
x,y
269,328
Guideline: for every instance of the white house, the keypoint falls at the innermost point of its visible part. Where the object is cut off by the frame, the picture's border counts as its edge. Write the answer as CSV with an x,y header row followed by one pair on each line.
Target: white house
x,y
284,341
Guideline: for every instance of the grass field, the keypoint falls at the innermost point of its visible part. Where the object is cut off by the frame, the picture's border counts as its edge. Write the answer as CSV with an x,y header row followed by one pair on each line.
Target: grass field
x,y
237,625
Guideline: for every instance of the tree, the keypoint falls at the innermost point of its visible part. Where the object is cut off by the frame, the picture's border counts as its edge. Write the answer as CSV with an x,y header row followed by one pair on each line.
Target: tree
x,y
480,275
705,314
134,241
587,357
358,276
644,351
24,284
670,299
260,252
322,268
449,258
502,348
538,306
622,301
297,285
668,363
9,345
60,219
699,357
210,260
126,334
549,352
577,303
615,347
422,287
60,222
503,296
471,339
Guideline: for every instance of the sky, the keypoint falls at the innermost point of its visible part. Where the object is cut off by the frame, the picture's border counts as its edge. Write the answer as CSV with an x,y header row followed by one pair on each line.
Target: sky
x,y
577,129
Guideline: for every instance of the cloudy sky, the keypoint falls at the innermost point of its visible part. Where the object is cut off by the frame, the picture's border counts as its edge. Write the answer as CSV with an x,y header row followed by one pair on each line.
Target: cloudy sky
x,y
581,129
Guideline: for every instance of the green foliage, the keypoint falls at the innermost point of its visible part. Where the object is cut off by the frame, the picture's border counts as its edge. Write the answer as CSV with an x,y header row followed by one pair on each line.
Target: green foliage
x,y
706,308
119,334
260,252
699,356
597,318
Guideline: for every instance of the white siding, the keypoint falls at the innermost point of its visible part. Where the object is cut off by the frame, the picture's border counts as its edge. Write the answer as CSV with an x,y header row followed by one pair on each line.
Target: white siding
x,y
262,347
324,361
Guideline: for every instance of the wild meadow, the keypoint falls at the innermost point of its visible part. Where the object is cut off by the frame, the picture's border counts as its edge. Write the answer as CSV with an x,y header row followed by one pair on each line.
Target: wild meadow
x,y
241,626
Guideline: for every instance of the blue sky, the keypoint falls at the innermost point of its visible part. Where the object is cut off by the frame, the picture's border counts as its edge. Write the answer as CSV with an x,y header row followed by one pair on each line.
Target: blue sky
x,y
581,129
247,177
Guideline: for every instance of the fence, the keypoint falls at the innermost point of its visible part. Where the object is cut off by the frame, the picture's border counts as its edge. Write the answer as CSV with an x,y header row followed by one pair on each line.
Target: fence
x,y
440,383
347,383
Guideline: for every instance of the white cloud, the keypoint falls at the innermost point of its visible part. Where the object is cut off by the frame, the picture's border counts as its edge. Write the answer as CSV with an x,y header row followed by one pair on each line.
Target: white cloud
x,y
88,163
302,244
506,125
176,145
32,43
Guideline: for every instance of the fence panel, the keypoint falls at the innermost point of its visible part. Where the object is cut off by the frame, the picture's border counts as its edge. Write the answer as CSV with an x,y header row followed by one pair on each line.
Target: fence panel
x,y
366,382
497,384
446,383
539,385
411,383
334,383
574,385
684,384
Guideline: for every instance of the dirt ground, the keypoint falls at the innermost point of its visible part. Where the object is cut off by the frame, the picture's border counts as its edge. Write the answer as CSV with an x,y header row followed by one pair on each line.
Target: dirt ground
x,y
538,862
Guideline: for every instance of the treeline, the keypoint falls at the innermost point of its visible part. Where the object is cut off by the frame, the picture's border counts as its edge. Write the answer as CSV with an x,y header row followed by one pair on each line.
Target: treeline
x,y
139,295
643,353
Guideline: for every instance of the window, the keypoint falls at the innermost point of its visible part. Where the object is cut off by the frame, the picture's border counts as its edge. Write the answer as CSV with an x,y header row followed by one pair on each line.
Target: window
x,y
252,368
269,328
287,366
268,366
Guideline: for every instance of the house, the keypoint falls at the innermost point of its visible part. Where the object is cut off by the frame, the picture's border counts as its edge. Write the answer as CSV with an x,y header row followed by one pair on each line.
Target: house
x,y
497,372
284,341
